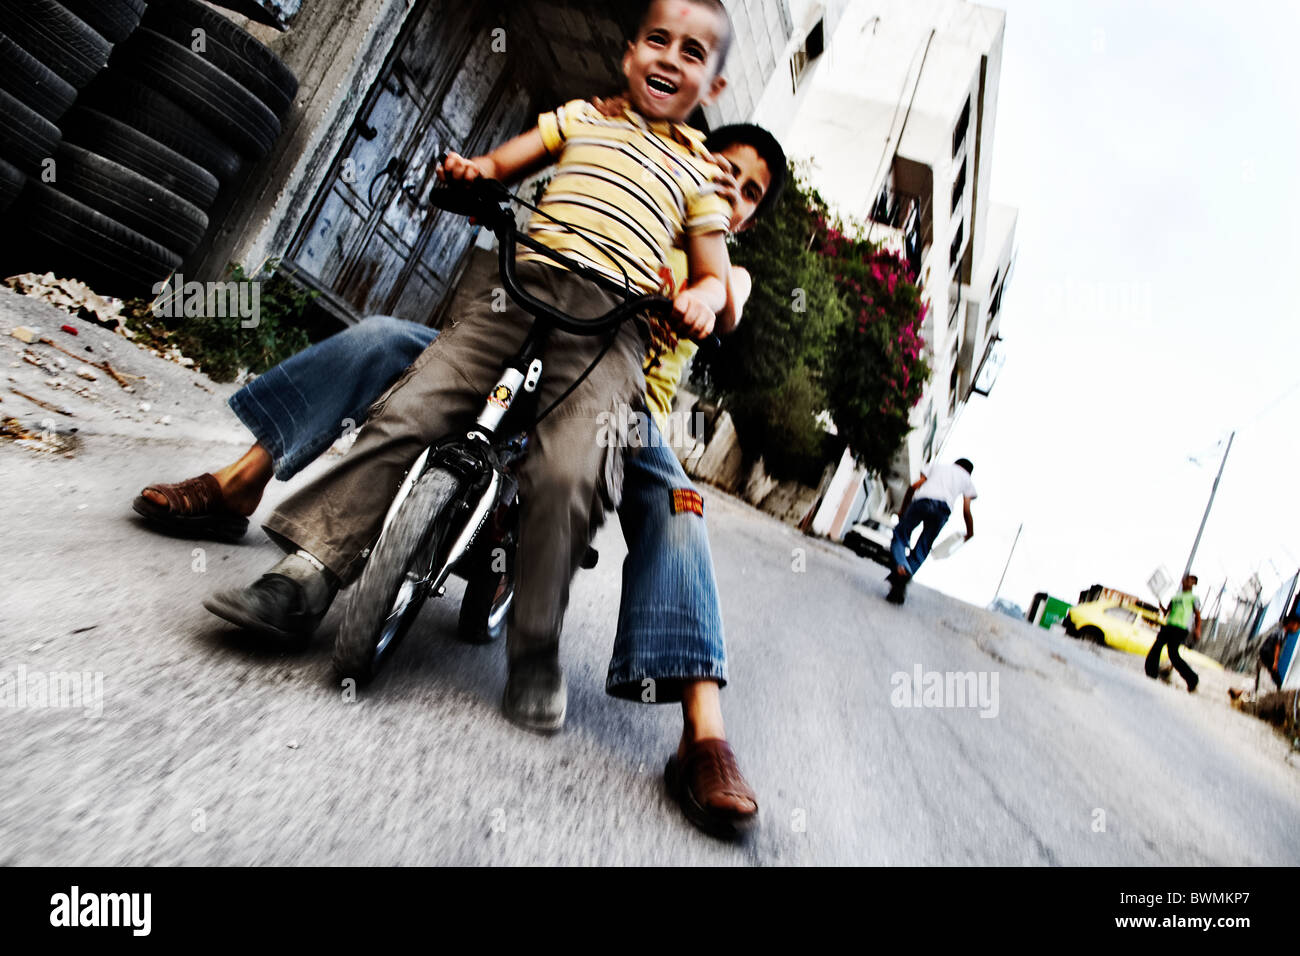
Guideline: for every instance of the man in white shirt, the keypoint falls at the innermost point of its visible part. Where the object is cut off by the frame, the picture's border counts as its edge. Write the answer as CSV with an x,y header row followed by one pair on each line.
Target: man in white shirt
x,y
928,503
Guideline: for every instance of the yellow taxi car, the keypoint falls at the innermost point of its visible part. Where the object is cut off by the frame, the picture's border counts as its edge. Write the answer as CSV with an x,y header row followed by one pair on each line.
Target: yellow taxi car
x,y
1126,628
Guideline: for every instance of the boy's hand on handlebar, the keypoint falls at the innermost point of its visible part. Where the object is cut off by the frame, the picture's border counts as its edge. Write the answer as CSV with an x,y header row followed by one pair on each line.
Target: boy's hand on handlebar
x,y
458,168
691,316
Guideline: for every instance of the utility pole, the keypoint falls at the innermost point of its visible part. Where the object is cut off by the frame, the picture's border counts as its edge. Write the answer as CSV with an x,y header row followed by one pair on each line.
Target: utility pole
x,y
1208,505
1008,564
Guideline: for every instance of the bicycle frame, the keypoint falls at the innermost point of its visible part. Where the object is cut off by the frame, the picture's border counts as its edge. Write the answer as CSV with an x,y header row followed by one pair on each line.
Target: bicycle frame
x,y
480,460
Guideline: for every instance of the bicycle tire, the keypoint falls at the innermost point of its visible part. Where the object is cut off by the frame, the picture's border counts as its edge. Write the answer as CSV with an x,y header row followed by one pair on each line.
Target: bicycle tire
x,y
368,616
483,611
34,83
485,606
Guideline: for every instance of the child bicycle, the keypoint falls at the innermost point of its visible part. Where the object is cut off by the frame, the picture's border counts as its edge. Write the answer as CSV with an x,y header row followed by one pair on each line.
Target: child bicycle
x,y
455,511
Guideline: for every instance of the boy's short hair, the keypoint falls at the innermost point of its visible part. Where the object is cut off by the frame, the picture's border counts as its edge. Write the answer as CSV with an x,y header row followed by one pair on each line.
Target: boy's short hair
x,y
768,149
965,463
724,41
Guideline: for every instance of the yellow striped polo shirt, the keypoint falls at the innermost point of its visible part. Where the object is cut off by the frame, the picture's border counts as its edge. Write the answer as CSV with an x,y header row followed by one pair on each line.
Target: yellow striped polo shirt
x,y
664,371
639,187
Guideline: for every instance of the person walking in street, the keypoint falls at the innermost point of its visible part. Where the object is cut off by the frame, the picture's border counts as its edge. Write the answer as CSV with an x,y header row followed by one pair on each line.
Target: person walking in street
x,y
1182,619
928,503
1274,649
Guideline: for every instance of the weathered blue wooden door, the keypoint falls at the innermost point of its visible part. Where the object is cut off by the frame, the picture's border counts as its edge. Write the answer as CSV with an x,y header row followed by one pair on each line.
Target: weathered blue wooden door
x,y
370,241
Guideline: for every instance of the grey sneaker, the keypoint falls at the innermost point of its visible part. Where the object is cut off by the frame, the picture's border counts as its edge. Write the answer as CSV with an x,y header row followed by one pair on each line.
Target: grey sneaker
x,y
536,696
285,604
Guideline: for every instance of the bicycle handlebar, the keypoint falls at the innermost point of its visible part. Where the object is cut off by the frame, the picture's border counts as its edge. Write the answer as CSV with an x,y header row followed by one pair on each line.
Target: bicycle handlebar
x,y
484,200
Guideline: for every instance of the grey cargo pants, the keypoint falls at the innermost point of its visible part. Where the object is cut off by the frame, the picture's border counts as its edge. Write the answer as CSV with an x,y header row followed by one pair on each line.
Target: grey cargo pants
x,y
562,482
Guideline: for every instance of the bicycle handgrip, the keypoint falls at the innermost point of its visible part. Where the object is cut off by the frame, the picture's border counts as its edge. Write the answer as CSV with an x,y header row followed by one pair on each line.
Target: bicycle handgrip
x,y
476,197
663,306
455,199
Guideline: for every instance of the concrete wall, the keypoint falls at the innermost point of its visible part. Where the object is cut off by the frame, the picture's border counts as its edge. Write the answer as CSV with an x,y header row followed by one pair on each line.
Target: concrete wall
x,y
782,99
336,48
763,32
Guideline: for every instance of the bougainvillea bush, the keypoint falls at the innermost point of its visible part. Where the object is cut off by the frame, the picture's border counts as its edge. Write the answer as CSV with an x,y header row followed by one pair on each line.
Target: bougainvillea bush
x,y
877,371
833,325
768,373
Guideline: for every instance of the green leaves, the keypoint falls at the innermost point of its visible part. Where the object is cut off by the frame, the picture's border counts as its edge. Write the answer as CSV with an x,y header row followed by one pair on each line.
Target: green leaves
x,y
221,342
877,372
832,324
768,373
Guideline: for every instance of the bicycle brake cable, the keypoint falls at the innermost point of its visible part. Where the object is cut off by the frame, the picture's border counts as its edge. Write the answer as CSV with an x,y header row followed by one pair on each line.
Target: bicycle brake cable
x,y
598,243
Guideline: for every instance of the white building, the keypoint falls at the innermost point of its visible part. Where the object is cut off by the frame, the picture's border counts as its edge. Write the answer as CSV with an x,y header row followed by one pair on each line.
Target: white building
x,y
899,126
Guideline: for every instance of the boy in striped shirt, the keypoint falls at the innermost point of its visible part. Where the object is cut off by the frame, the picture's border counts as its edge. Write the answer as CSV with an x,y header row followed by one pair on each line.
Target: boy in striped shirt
x,y
642,184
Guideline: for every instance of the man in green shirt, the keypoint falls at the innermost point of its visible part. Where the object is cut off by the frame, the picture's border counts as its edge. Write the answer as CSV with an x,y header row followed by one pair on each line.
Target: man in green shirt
x,y
1184,617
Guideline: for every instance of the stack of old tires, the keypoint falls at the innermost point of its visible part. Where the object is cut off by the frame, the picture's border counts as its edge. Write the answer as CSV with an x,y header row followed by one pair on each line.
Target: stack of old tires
x,y
47,54
186,102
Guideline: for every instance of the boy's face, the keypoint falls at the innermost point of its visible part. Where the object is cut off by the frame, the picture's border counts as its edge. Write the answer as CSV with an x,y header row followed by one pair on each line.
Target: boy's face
x,y
670,67
753,177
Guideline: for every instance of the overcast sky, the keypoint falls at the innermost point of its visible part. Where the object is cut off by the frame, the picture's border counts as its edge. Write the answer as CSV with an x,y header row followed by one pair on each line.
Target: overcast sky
x,y
1151,148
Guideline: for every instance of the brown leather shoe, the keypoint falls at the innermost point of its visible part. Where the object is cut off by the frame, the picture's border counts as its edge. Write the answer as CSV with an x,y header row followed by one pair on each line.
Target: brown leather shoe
x,y
711,790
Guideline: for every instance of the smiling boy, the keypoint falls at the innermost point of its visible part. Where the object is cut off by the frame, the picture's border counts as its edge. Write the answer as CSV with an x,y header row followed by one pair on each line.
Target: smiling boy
x,y
642,184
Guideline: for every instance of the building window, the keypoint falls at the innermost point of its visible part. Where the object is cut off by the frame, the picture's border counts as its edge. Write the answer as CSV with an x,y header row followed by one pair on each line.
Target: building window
x,y
813,46
958,187
959,134
996,304
798,63
954,252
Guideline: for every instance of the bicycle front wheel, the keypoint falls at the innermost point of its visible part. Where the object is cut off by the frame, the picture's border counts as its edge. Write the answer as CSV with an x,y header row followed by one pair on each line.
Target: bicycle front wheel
x,y
389,594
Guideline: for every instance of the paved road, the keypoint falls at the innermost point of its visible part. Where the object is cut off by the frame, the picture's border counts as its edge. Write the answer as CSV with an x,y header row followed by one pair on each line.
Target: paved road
x,y
209,752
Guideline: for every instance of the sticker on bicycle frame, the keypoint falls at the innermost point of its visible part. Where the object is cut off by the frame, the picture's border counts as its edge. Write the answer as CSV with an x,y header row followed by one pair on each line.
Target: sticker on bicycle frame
x,y
501,396
687,499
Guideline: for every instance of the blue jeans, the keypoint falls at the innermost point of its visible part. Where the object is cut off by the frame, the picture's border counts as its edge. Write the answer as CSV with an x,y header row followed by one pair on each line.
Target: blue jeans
x,y
931,514
299,408
669,622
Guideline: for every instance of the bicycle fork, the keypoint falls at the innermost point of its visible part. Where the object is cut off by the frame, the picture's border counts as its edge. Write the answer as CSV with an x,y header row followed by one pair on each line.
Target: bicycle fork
x,y
475,456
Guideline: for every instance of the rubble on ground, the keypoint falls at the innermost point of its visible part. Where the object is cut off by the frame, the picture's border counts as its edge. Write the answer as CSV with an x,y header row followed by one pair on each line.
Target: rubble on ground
x,y
74,296
1279,708
74,372
78,299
